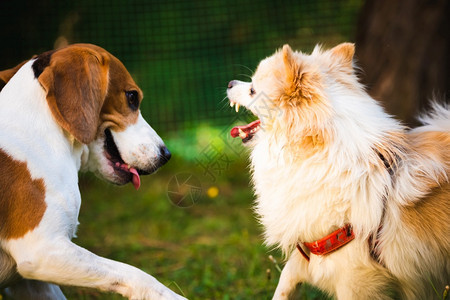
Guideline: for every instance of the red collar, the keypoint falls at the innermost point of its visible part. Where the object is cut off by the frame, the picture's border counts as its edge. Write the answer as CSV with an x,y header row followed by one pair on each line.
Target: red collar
x,y
331,242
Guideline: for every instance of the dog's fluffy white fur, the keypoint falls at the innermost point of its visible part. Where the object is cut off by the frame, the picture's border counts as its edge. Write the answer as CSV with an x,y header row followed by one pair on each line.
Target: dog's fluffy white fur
x,y
331,156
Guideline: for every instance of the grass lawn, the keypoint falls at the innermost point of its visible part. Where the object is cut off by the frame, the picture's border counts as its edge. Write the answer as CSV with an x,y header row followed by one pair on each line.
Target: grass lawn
x,y
210,250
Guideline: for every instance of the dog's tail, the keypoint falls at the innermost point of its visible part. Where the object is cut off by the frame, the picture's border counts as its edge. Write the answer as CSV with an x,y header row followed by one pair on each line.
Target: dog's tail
x,y
438,118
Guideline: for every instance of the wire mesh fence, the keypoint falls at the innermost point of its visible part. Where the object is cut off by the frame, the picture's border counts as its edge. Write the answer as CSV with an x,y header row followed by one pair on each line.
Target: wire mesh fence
x,y
181,53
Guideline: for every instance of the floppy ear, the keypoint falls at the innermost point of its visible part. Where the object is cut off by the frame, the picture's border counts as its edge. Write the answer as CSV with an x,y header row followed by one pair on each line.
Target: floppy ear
x,y
344,53
76,82
6,75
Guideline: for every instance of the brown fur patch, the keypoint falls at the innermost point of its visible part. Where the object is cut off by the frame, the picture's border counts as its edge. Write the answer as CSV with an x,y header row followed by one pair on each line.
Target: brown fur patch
x,y
115,113
344,53
85,88
428,217
308,146
302,83
433,145
75,82
304,104
22,199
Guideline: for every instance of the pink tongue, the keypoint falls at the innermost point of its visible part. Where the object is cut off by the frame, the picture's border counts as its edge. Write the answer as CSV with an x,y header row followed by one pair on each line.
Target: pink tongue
x,y
136,179
245,128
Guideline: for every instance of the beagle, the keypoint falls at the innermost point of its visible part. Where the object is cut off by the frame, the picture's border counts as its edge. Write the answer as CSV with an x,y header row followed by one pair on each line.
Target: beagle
x,y
75,108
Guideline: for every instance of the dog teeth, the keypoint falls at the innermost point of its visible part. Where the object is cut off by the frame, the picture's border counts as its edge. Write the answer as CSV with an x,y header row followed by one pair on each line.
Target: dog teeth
x,y
242,134
232,103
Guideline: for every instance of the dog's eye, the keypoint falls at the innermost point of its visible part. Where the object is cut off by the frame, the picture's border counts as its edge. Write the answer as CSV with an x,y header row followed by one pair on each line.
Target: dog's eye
x,y
252,91
133,99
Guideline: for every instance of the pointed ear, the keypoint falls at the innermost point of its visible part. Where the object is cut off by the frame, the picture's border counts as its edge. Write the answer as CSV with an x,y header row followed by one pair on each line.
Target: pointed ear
x,y
294,76
6,75
75,82
301,84
344,53
290,64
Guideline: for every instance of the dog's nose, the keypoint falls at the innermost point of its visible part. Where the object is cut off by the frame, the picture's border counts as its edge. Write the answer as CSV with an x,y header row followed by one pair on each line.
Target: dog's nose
x,y
231,84
165,154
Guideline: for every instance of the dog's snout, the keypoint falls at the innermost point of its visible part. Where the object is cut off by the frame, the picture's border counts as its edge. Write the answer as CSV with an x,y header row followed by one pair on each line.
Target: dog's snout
x,y
231,84
165,154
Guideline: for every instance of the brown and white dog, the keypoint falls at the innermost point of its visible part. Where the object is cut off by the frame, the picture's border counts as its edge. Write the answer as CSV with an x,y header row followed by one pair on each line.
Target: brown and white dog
x,y
358,203
62,111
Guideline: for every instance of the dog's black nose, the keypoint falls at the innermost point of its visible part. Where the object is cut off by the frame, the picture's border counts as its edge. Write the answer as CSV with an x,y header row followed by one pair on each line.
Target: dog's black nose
x,y
231,84
165,154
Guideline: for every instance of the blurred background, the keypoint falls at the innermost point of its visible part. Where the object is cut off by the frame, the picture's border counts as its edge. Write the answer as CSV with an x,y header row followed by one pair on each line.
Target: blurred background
x,y
191,225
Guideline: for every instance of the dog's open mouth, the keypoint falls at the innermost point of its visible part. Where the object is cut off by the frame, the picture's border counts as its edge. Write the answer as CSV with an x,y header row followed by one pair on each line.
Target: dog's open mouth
x,y
245,132
120,167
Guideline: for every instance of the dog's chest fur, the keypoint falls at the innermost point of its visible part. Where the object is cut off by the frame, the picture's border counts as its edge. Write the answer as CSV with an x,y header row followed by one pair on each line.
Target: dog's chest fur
x,y
297,201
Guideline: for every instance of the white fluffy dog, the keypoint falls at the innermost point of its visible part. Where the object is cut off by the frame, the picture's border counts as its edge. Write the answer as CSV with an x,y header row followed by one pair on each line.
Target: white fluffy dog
x,y
358,203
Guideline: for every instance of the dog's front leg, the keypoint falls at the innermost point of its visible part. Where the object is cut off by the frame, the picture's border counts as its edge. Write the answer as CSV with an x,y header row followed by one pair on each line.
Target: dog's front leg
x,y
292,274
62,262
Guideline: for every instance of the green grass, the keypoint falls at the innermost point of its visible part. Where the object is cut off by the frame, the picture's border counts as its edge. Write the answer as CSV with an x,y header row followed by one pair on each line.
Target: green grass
x,y
211,250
